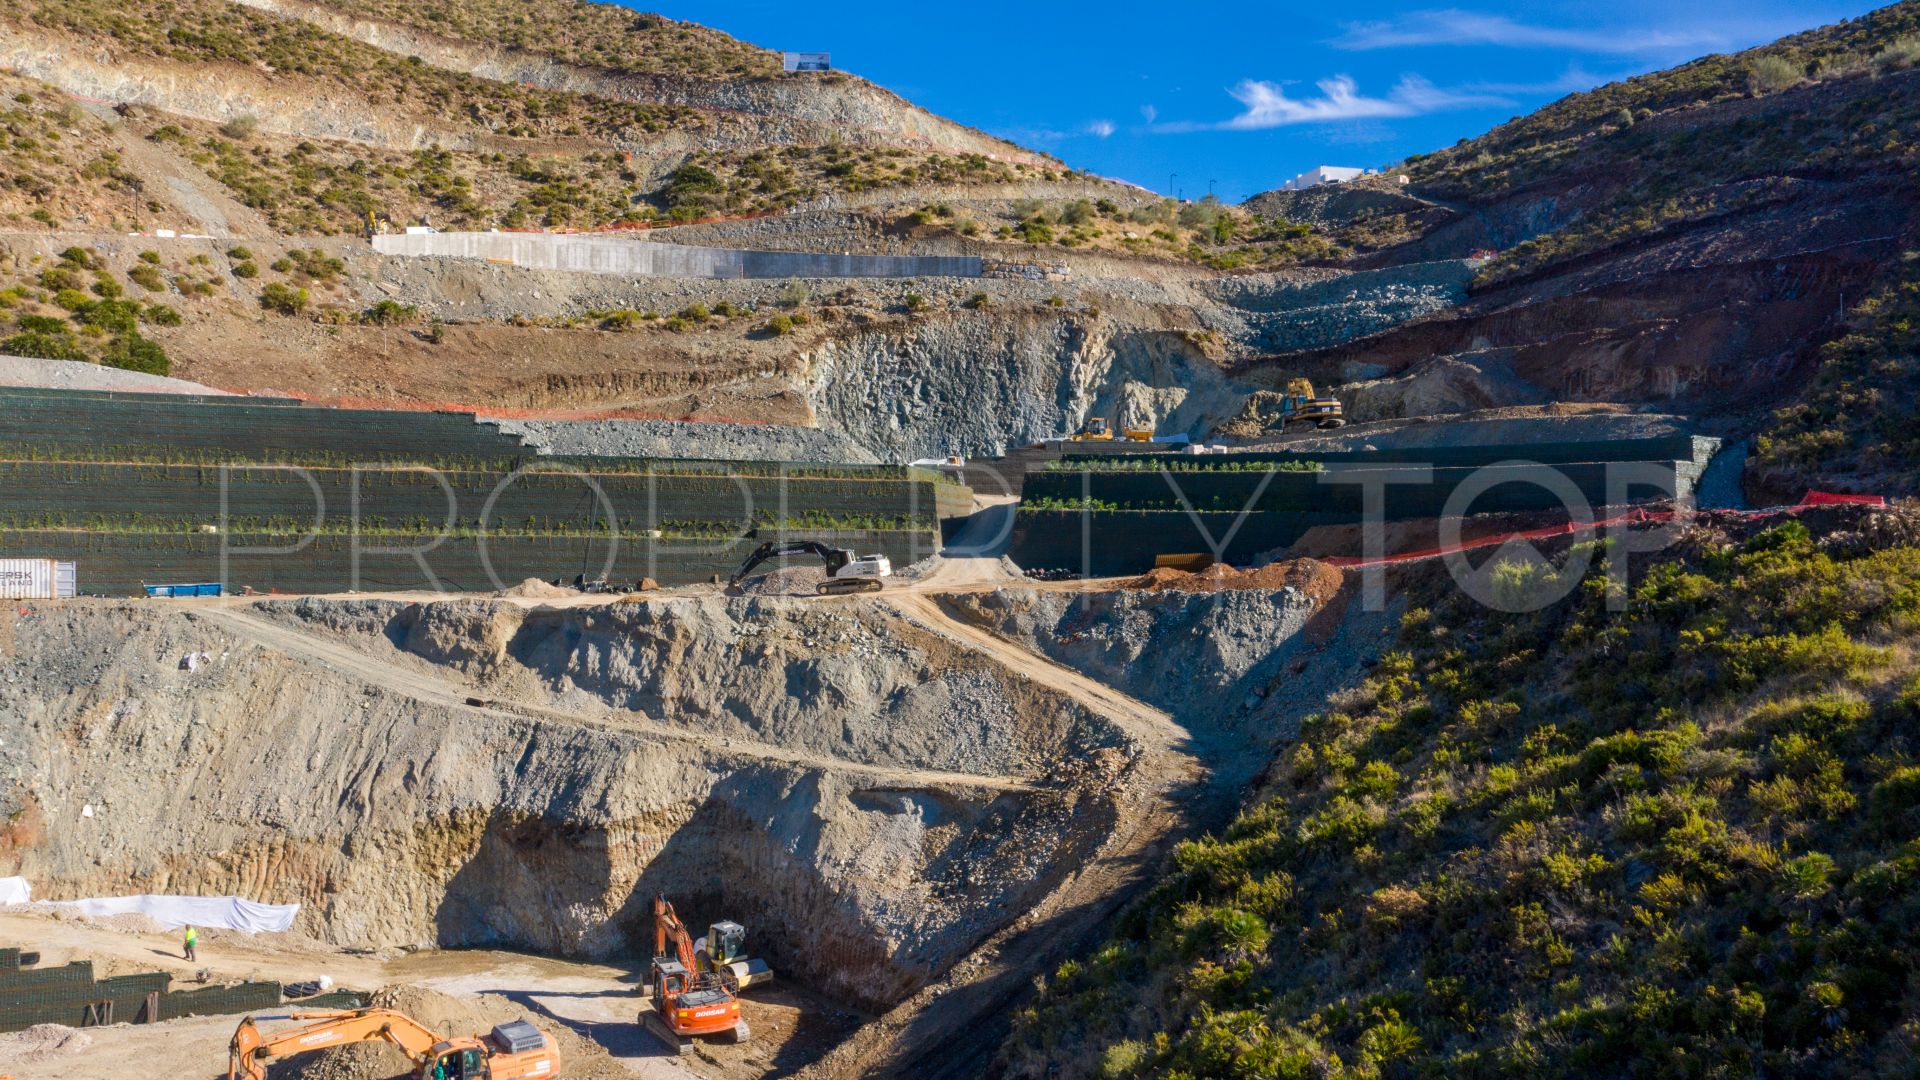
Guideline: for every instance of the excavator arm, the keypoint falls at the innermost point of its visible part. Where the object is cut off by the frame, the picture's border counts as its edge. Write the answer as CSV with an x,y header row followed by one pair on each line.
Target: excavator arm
x,y
251,1048
833,557
667,924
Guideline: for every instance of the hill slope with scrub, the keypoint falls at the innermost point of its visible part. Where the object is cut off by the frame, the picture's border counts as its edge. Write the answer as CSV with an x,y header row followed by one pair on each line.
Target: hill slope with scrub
x,y
1672,840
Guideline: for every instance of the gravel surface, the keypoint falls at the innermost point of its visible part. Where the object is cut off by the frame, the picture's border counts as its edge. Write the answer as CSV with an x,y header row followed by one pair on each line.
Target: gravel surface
x,y
78,375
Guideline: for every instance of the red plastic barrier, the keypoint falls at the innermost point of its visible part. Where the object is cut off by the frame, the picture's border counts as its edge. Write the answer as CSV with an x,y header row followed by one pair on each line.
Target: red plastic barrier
x,y
1634,517
1568,528
1829,498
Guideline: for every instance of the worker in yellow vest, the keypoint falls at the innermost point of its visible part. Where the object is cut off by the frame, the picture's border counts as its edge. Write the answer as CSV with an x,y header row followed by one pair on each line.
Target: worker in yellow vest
x,y
193,938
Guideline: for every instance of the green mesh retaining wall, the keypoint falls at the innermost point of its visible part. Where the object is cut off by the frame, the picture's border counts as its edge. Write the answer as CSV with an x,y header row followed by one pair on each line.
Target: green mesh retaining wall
x,y
92,494
248,430
218,1000
118,563
1103,543
1519,488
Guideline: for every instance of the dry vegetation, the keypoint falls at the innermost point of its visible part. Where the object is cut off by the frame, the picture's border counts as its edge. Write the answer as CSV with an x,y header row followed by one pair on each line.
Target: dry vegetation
x,y
61,164
1841,98
208,32
602,35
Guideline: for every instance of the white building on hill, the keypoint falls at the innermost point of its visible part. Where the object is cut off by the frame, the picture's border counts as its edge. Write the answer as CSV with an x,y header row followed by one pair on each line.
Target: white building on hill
x,y
1322,174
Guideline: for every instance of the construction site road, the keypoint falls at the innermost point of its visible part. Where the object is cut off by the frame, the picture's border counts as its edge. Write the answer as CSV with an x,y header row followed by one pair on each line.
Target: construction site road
x,y
427,688
947,1028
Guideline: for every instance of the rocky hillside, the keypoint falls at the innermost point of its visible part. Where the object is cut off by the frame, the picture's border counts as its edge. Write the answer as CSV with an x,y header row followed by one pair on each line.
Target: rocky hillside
x,y
1690,237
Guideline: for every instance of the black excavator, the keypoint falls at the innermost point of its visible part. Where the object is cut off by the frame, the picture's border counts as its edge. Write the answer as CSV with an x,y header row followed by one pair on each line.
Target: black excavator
x,y
846,572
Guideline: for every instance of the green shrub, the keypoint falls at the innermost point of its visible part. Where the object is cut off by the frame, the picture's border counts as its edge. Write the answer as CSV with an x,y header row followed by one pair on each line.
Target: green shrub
x,y
151,258
44,324
695,313
780,326
135,353
161,315
245,270
116,316
147,278
436,331
977,301
1771,74
240,254
915,302
390,313
283,299
58,278
71,299
41,345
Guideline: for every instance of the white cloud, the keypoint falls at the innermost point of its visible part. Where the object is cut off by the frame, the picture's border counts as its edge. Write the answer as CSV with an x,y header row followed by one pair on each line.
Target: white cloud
x,y
1267,105
1150,113
1455,27
1100,129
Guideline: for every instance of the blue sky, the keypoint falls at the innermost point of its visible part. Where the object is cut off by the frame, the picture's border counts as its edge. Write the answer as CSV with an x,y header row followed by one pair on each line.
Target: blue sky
x,y
1244,96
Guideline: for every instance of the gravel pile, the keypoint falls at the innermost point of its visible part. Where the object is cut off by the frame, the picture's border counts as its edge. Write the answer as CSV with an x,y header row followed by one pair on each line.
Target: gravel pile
x,y
41,1042
786,581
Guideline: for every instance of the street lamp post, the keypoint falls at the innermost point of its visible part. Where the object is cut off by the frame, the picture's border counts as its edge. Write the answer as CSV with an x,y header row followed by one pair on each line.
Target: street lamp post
x,y
1170,177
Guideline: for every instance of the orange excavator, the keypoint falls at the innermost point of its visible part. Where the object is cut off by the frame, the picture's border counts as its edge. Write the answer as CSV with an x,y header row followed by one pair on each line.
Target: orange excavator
x,y
512,1051
687,999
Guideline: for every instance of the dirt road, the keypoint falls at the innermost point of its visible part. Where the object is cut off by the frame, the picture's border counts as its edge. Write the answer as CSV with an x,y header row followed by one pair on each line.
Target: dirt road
x,y
951,1027
424,687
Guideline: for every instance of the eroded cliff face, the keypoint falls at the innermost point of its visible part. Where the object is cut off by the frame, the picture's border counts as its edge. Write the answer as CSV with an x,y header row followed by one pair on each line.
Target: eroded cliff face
x,y
870,806
978,385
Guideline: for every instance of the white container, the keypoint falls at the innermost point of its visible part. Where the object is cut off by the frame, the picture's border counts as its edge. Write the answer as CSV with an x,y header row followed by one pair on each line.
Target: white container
x,y
37,579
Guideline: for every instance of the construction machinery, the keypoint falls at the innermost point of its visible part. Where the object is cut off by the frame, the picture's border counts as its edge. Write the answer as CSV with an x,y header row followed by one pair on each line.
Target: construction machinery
x,y
846,572
723,951
1096,430
511,1051
1299,405
686,998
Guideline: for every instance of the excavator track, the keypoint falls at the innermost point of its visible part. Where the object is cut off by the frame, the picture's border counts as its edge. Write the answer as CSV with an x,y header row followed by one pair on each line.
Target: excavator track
x,y
846,586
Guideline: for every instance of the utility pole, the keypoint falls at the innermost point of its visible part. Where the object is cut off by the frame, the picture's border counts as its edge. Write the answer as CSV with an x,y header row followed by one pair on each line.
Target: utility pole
x,y
1210,189
1170,177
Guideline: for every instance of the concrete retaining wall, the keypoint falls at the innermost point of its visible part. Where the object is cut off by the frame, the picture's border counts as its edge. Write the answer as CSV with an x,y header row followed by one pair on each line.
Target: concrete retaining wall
x,y
641,258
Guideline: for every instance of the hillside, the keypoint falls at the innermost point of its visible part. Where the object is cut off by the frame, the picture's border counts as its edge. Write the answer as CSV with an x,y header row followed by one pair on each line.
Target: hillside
x,y
1559,843
1690,238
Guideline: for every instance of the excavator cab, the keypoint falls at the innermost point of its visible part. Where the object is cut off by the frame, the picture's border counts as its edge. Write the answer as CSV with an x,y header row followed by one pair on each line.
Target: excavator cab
x,y
464,1064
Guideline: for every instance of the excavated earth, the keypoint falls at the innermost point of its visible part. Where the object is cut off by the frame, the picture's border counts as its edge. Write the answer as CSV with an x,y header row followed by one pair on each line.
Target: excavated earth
x,y
915,801
869,798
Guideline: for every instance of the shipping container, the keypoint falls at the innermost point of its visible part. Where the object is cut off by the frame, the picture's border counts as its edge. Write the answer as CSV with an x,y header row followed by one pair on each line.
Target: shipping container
x,y
37,579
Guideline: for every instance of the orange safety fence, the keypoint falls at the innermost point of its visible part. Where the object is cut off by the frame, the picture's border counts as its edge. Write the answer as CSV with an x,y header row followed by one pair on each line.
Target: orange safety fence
x,y
1571,528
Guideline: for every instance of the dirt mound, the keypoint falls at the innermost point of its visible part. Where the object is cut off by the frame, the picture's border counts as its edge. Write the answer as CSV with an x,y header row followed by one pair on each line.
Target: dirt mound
x,y
40,1042
1311,576
582,1058
535,589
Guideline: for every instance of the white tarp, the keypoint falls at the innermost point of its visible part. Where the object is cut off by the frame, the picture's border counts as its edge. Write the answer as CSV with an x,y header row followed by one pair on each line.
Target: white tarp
x,y
172,912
